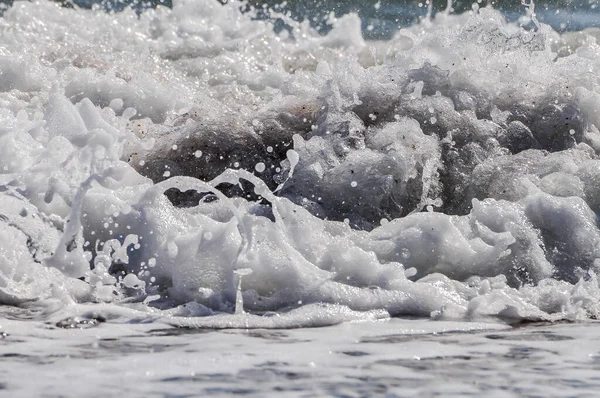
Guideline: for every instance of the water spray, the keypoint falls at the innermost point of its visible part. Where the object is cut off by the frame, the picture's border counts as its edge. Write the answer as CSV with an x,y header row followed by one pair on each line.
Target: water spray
x,y
531,12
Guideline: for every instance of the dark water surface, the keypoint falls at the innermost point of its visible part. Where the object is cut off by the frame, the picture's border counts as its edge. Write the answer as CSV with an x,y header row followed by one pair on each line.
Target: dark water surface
x,y
380,19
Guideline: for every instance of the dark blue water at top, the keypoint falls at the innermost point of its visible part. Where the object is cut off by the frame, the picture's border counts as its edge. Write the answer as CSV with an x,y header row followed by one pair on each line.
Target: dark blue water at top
x,y
383,17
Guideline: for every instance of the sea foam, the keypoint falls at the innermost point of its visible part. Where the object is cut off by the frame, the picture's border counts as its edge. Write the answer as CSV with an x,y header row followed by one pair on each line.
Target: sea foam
x,y
151,161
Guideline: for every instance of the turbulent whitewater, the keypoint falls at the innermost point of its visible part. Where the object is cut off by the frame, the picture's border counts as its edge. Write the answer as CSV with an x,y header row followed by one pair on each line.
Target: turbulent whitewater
x,y
198,166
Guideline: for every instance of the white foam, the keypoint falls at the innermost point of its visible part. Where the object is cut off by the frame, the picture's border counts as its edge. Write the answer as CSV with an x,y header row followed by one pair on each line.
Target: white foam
x,y
491,128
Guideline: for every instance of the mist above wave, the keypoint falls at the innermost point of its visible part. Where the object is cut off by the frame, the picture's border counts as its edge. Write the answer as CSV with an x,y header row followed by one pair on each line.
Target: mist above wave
x,y
451,171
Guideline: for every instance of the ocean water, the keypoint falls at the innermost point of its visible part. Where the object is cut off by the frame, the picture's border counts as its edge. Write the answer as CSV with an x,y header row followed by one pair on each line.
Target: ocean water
x,y
305,199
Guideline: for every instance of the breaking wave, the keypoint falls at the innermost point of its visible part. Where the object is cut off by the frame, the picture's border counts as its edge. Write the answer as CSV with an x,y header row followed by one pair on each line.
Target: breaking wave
x,y
192,162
